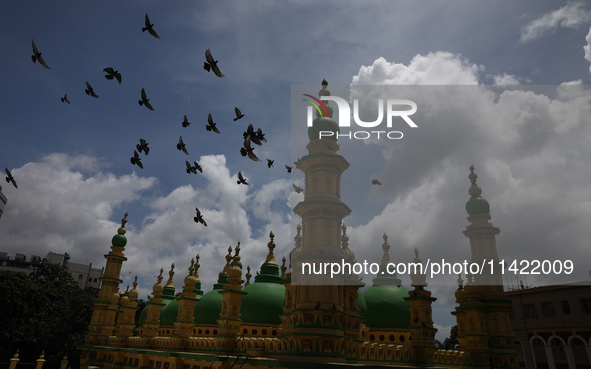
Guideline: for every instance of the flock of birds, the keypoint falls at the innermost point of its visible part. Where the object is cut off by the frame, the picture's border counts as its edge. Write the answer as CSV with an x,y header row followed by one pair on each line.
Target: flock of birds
x,y
250,136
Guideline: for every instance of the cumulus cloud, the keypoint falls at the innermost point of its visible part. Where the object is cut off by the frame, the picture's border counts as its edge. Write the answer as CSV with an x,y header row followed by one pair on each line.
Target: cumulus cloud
x,y
587,48
572,15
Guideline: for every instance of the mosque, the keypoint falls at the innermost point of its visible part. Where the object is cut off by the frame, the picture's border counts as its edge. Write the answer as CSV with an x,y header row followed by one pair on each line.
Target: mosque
x,y
284,319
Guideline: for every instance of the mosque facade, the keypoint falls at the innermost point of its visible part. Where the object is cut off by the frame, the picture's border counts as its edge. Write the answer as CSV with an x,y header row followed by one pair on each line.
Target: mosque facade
x,y
284,319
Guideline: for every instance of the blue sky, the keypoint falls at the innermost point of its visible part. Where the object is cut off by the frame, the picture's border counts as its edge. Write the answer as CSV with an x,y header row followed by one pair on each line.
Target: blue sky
x,y
72,161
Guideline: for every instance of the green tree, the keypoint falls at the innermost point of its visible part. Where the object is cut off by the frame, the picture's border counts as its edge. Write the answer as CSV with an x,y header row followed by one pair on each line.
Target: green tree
x,y
45,311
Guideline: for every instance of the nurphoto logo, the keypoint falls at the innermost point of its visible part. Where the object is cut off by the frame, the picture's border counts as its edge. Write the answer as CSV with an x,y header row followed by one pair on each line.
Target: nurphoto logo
x,y
345,117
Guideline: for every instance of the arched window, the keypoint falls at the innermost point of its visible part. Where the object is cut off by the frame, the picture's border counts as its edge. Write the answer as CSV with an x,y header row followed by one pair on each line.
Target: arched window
x,y
558,353
539,353
577,345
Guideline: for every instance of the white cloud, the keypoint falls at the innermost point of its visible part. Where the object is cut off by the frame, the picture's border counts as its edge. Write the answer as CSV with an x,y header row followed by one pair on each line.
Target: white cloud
x,y
506,79
587,48
572,15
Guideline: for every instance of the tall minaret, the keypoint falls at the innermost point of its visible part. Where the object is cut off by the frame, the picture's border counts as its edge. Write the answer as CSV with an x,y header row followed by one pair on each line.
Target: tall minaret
x,y
102,324
483,315
315,303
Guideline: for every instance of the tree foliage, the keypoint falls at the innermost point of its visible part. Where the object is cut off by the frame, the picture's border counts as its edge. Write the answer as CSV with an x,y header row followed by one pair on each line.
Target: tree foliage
x,y
45,311
451,342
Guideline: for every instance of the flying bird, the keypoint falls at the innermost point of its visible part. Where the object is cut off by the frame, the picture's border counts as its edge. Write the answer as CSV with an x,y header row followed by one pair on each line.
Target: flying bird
x,y
252,135
112,73
145,100
270,163
197,166
241,179
260,135
181,145
190,169
211,64
288,168
186,122
297,188
376,182
211,125
149,28
248,150
199,218
37,56
90,91
135,160
10,178
238,114
143,146
65,99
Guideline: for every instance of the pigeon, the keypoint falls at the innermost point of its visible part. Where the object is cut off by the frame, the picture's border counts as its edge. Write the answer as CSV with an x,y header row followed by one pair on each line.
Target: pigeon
x,y
253,136
238,114
10,178
190,169
288,168
197,166
199,218
241,179
297,189
181,145
65,99
334,306
270,163
135,160
211,125
186,122
111,73
248,150
144,100
376,182
211,64
317,305
90,91
149,28
37,56
260,135
143,146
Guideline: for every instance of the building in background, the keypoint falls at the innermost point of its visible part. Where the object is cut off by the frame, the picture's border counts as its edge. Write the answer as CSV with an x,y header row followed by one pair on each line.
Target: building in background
x,y
3,201
552,325
84,274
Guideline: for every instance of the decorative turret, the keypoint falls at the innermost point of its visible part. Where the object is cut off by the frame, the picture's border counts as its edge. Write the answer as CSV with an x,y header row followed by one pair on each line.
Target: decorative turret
x,y
207,311
185,306
153,309
102,324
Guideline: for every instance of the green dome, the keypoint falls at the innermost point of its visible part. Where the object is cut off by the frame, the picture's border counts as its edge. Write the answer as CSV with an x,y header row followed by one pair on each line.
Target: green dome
x,y
169,313
167,297
323,124
386,307
263,304
119,240
208,309
477,205
361,304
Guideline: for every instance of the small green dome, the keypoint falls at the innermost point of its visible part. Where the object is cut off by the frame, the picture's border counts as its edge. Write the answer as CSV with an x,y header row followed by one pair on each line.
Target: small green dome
x,y
361,304
323,124
263,304
208,309
169,313
167,298
386,307
477,205
119,240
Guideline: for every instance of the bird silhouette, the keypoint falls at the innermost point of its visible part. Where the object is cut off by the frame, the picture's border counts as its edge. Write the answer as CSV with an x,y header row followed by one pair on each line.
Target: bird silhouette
x,y
149,28
135,159
37,56
260,135
112,73
211,64
238,114
252,135
10,178
297,188
288,168
190,169
270,163
211,125
248,150
65,99
89,91
143,146
181,145
145,100
376,182
186,122
197,166
317,305
199,218
241,179
334,306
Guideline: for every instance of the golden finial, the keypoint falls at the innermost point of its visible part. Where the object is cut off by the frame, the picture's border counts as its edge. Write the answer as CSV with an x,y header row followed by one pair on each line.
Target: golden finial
x,y
160,276
170,275
121,229
283,267
386,248
126,290
474,189
228,258
135,282
271,246
196,273
298,237
191,268
460,281
344,237
324,83
248,276
237,252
